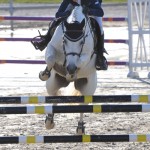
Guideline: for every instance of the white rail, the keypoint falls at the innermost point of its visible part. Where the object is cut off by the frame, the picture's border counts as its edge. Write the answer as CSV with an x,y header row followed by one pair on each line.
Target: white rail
x,y
139,36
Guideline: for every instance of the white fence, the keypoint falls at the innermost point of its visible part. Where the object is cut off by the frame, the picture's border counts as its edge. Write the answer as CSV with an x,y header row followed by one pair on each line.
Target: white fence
x,y
139,36
11,8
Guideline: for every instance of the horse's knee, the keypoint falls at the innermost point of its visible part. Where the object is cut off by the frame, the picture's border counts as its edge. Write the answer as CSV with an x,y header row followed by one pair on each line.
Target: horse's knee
x,y
50,61
51,84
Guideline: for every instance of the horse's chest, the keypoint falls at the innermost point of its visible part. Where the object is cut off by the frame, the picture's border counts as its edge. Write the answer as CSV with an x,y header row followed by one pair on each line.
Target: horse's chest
x,y
60,58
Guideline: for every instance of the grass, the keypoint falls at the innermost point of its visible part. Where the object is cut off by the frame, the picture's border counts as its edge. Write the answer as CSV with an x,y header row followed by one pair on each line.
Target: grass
x,y
54,1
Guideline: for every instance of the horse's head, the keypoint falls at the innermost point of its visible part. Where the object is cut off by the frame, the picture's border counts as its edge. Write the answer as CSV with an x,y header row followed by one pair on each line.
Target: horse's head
x,y
77,42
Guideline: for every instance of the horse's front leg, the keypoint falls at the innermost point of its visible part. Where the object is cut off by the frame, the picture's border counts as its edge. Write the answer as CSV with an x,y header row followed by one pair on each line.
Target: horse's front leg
x,y
86,86
80,128
50,61
49,121
53,84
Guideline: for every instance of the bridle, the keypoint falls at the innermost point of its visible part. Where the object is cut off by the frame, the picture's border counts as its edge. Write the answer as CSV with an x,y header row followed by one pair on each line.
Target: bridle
x,y
83,36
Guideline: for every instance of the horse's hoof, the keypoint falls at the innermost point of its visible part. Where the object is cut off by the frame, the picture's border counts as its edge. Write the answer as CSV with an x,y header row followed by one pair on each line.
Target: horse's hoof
x,y
43,77
49,125
49,121
80,128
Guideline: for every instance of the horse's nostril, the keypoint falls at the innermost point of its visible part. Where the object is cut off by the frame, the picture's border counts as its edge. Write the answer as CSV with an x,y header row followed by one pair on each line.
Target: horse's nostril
x,y
71,68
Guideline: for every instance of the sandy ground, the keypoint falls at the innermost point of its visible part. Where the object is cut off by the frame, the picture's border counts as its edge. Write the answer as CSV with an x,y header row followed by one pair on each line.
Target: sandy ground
x,y
18,80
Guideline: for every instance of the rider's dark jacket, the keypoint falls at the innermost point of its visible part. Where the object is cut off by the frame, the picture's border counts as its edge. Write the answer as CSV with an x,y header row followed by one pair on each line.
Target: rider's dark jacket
x,y
94,7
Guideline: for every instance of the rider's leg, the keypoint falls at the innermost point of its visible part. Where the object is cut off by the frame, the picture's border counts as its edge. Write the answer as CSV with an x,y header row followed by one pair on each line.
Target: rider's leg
x,y
45,39
42,44
101,62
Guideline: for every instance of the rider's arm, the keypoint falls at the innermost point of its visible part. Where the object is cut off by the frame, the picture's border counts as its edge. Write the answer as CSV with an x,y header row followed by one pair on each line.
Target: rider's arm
x,y
61,11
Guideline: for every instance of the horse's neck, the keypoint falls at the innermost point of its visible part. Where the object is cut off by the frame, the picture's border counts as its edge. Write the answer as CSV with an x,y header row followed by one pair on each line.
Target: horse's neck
x,y
56,42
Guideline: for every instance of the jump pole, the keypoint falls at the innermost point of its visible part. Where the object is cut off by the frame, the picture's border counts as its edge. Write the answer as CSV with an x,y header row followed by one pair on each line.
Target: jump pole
x,y
25,18
75,99
112,63
74,139
74,109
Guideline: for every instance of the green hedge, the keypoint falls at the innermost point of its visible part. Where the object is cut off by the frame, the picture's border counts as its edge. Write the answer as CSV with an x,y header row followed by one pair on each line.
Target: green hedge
x,y
31,1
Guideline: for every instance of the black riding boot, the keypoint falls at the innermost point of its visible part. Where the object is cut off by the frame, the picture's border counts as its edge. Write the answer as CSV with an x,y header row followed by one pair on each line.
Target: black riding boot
x,y
42,43
101,62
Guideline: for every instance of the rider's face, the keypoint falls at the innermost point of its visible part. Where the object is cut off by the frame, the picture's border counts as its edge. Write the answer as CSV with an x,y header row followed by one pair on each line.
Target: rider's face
x,y
75,0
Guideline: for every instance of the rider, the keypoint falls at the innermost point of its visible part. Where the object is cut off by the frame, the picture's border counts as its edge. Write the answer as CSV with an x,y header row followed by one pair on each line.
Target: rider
x,y
93,9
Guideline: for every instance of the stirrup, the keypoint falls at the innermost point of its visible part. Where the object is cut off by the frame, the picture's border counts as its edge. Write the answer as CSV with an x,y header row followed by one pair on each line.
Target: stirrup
x,y
35,40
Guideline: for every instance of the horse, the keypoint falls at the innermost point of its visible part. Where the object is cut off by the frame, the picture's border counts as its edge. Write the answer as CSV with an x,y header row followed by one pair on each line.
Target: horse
x,y
71,57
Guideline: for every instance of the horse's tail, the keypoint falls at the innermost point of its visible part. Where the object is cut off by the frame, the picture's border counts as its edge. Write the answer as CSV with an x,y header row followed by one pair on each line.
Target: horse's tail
x,y
76,93
72,91
69,91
